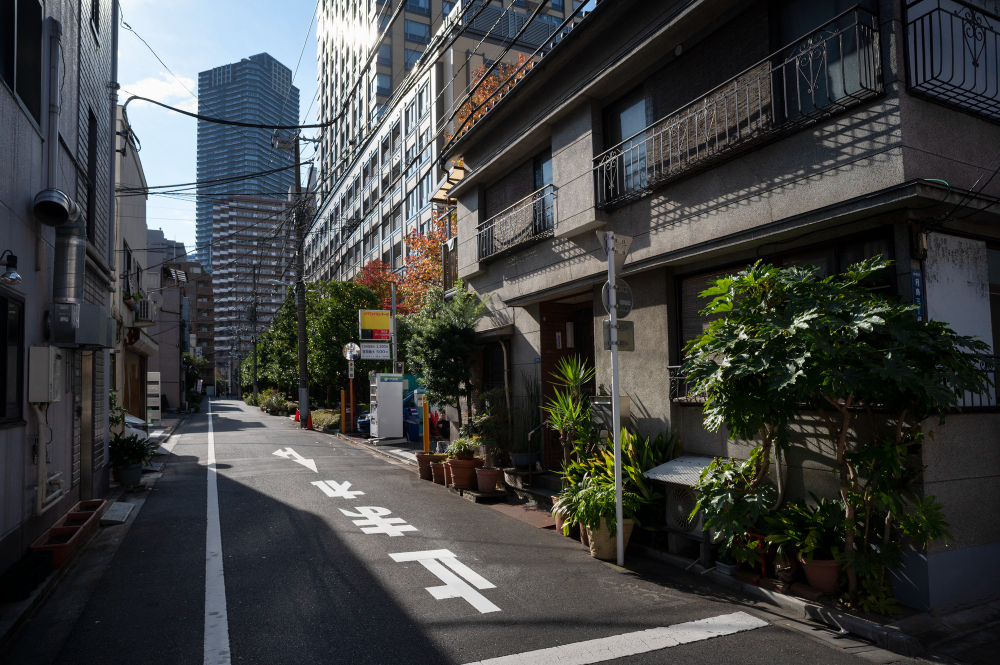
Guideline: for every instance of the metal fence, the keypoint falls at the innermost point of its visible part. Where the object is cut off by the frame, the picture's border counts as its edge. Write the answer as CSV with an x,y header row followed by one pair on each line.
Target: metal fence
x,y
953,55
530,219
834,67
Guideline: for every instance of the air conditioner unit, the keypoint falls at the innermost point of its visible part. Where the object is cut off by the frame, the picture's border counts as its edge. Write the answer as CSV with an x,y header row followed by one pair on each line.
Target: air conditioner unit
x,y
681,501
144,310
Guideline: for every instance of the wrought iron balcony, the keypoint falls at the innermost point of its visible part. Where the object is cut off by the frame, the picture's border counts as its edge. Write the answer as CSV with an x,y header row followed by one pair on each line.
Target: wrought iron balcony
x,y
528,220
832,68
953,55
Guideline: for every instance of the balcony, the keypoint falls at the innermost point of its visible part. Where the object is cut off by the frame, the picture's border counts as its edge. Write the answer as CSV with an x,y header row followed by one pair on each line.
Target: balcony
x,y
953,55
831,69
527,221
144,310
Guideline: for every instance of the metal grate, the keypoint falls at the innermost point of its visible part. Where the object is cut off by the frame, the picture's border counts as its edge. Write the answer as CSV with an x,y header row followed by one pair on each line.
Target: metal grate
x,y
835,67
953,55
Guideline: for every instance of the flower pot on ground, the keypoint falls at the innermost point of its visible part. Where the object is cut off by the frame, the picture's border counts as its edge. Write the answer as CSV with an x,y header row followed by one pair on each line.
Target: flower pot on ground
x,y
127,455
130,475
584,536
487,479
438,472
813,534
563,526
823,574
61,541
424,461
603,544
590,503
464,448
463,472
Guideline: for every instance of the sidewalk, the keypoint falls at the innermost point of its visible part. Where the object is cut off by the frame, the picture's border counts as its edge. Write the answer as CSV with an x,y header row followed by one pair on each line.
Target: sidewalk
x,y
400,449
966,635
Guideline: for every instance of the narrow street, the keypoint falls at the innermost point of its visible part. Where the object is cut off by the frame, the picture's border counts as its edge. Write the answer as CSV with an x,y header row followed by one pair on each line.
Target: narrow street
x,y
360,561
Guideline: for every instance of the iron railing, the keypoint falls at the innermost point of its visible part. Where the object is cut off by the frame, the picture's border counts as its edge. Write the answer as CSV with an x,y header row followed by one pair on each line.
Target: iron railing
x,y
953,55
679,389
528,220
834,67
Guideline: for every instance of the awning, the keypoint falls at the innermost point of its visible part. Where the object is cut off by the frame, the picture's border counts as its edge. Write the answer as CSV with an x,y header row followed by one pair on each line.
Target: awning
x,y
495,334
685,470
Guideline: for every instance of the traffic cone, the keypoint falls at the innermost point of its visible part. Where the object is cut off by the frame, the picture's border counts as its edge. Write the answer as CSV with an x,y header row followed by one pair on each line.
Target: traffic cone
x,y
309,421
296,415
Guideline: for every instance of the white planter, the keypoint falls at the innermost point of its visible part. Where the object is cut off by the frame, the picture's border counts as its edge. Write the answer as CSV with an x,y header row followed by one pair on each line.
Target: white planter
x,y
725,568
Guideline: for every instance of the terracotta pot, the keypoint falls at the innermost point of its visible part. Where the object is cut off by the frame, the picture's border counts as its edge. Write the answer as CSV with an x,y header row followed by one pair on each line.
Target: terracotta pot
x,y
487,480
570,531
61,541
424,461
463,473
584,537
785,568
465,456
605,546
438,470
822,575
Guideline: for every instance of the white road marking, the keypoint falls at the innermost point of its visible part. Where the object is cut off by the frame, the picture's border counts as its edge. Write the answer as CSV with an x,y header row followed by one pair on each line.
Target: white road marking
x,y
374,521
454,585
333,489
288,453
216,617
630,644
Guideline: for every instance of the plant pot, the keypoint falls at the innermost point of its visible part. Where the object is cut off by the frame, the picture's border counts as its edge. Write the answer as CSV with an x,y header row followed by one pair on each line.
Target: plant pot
x,y
424,461
463,473
725,568
130,475
605,546
61,541
487,479
584,536
465,455
524,460
439,473
785,568
563,528
823,575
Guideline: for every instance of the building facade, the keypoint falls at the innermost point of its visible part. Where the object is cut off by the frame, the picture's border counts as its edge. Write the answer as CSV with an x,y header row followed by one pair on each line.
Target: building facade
x,y
57,115
718,133
242,160
169,250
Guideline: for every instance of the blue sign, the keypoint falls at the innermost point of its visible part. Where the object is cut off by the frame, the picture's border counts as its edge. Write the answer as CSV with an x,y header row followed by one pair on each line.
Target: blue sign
x,y
917,275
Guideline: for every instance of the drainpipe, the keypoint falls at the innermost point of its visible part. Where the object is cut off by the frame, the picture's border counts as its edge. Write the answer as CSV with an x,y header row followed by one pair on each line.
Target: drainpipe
x,y
113,111
43,499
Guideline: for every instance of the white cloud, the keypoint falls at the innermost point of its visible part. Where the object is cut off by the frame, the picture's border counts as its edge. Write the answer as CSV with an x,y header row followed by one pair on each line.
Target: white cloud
x,y
164,88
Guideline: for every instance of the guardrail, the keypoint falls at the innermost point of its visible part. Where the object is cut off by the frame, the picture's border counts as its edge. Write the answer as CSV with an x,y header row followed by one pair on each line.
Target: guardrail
x,y
530,219
832,68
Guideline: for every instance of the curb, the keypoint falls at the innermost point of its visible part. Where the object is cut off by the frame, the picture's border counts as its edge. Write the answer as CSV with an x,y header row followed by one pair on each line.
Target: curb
x,y
885,637
374,449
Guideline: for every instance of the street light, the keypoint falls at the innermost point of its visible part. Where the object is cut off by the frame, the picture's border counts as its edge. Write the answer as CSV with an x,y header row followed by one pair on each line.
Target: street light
x,y
278,282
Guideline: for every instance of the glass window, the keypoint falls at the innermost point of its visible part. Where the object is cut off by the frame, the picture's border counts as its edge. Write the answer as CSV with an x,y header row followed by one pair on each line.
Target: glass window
x,y
21,51
383,84
419,6
410,56
415,31
11,359
448,6
627,120
385,55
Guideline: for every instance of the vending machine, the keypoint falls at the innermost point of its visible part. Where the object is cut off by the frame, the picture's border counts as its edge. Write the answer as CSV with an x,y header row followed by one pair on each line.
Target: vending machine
x,y
386,407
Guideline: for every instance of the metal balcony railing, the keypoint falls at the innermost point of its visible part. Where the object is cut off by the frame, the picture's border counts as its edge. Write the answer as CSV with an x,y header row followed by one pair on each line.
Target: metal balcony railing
x,y
953,55
528,220
832,68
144,310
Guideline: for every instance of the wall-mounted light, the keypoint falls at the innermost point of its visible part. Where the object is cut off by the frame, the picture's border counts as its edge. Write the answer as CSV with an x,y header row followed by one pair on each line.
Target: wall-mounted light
x,y
570,336
11,275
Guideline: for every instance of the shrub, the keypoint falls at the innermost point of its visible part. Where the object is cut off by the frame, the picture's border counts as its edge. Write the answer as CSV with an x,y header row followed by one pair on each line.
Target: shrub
x,y
249,400
128,450
325,419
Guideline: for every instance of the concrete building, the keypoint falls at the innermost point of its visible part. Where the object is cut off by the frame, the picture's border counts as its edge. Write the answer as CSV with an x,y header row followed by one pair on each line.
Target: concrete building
x,y
716,133
254,245
169,250
391,102
170,325
257,89
56,210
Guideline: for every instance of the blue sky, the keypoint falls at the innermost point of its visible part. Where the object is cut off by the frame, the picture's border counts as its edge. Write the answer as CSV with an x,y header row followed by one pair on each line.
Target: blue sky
x,y
191,37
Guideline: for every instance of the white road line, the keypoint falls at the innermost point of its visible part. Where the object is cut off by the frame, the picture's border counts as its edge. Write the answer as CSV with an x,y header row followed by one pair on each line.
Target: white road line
x,y
216,619
630,644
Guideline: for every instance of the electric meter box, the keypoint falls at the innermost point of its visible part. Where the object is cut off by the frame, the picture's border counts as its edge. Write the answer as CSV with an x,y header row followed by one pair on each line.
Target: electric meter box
x,y
44,374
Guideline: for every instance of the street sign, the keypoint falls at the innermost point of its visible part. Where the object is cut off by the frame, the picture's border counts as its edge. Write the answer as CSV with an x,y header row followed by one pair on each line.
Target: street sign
x,y
375,351
350,369
352,351
626,335
620,246
624,298
375,324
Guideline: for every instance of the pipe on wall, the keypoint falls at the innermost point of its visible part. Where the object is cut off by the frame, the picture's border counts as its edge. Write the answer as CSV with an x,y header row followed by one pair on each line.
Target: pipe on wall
x,y
43,498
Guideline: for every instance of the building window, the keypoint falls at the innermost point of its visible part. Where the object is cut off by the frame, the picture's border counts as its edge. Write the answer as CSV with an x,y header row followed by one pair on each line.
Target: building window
x,y
419,6
21,52
415,31
92,177
410,58
448,6
11,359
383,84
557,5
95,15
385,55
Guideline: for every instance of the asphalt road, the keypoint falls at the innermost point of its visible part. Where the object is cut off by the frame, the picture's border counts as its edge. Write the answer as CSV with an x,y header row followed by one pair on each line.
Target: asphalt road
x,y
302,583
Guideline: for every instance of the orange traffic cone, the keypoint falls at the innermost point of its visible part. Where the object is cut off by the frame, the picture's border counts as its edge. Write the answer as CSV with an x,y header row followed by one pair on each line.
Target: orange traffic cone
x,y
296,415
309,421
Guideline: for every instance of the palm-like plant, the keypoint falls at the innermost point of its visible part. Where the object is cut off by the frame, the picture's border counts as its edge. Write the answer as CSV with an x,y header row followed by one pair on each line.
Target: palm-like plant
x,y
569,412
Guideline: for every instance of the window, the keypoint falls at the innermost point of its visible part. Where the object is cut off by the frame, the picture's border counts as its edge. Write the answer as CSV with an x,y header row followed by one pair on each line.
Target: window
x,y
415,31
11,359
410,58
627,120
448,6
91,177
21,51
95,15
385,55
557,5
383,84
419,6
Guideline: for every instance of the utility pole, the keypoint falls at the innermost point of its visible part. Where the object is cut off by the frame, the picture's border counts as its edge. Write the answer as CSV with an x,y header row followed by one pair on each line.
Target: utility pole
x,y
300,291
253,333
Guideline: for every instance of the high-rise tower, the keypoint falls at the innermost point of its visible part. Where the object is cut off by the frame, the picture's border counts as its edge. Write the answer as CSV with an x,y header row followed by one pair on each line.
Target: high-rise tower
x,y
258,90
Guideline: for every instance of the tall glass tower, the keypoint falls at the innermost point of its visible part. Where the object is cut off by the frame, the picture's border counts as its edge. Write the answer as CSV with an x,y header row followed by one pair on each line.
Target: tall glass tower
x,y
258,90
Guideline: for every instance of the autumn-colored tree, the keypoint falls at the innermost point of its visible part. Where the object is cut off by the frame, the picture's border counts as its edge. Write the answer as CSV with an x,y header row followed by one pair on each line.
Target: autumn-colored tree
x,y
378,276
423,265
490,91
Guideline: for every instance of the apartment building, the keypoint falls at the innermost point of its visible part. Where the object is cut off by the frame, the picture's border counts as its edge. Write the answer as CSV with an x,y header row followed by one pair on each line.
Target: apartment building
x,y
718,133
392,101
57,260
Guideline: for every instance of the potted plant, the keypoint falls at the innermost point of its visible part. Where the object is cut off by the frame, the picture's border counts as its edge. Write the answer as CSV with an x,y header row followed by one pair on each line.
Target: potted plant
x,y
424,462
462,462
561,510
438,474
487,479
591,504
816,534
127,455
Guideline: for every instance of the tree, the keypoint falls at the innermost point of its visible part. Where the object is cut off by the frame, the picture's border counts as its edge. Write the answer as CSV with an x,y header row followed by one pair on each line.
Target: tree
x,y
378,276
442,343
499,82
194,367
423,265
332,321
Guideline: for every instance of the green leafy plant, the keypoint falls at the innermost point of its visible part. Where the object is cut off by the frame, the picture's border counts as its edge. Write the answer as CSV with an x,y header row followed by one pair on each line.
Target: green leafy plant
x,y
590,499
249,400
801,530
569,412
128,450
464,448
116,412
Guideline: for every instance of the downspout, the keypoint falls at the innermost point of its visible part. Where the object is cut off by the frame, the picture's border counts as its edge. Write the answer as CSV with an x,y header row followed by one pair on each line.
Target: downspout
x,y
113,112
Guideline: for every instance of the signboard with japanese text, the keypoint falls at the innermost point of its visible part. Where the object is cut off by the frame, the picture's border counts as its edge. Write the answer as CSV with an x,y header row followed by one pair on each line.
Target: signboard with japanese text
x,y
375,324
